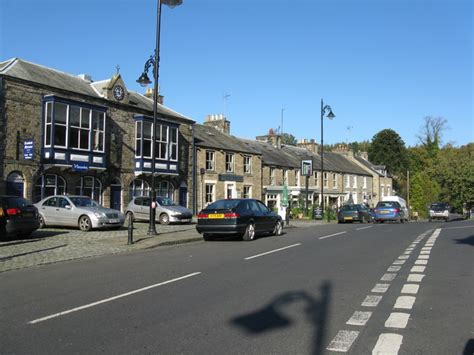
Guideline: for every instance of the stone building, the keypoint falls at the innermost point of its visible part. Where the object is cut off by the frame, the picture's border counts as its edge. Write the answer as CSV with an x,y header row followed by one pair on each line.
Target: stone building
x,y
61,133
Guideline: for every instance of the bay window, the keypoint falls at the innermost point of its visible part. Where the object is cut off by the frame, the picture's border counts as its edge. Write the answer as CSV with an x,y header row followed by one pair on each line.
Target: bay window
x,y
166,140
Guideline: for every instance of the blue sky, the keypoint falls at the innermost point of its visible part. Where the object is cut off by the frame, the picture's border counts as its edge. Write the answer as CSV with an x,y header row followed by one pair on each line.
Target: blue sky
x,y
378,63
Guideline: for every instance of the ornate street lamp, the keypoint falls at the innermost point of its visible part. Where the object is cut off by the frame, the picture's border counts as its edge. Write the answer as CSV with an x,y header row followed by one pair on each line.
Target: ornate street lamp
x,y
330,115
144,80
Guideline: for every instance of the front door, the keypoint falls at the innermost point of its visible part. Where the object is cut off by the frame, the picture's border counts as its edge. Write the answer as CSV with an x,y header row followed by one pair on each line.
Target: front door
x,y
183,196
116,197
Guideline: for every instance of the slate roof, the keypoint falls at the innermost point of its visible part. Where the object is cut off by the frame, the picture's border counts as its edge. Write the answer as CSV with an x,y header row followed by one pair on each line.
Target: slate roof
x,y
375,168
35,73
210,137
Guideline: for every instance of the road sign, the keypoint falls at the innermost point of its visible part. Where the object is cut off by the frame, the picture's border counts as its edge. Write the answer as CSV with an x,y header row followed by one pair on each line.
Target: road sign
x,y
306,167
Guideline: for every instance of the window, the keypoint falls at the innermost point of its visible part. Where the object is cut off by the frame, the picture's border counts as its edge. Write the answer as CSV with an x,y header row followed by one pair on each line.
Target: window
x,y
90,186
272,176
49,185
326,182
79,121
146,140
210,160
348,181
74,127
247,164
138,187
210,188
165,189
229,162
382,190
173,143
354,185
334,181
316,178
166,141
365,182
285,177
138,138
247,191
162,142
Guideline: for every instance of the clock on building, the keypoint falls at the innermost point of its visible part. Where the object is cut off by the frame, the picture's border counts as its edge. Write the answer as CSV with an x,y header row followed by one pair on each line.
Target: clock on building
x,y
119,92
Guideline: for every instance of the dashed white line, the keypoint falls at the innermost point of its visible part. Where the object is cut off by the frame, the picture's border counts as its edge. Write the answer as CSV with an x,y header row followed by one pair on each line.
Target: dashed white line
x,y
272,251
423,257
418,269
371,301
343,341
394,268
399,262
397,320
410,289
361,228
403,257
380,288
425,252
405,302
359,318
421,262
388,277
388,344
332,235
415,277
111,298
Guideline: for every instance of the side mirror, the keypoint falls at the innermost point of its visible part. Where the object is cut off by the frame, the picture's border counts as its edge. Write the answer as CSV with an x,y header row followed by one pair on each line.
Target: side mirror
x,y
68,207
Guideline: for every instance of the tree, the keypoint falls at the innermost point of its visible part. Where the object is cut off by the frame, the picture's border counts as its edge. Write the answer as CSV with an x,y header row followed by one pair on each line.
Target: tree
x,y
431,133
387,148
423,191
288,139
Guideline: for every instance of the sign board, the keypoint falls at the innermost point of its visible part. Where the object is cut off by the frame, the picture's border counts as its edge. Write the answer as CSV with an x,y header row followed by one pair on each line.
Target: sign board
x,y
231,177
28,149
306,167
81,166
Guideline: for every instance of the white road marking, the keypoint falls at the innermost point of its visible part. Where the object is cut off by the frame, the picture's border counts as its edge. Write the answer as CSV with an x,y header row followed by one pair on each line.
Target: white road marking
x,y
380,288
415,277
409,249
403,257
388,344
405,302
410,289
399,262
426,257
332,235
111,298
272,251
426,248
421,262
388,277
343,341
397,320
394,268
371,301
425,252
413,246
418,269
407,252
359,318
361,228
429,244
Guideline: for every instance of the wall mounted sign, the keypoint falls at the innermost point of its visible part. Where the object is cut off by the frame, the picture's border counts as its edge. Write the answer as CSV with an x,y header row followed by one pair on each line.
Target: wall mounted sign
x,y
80,167
28,149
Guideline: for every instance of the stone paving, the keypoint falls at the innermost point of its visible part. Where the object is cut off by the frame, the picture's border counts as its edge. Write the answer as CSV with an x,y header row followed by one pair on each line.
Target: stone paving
x,y
52,245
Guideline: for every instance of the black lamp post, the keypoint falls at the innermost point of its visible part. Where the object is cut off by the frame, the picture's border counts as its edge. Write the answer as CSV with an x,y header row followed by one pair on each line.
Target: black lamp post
x,y
144,80
330,115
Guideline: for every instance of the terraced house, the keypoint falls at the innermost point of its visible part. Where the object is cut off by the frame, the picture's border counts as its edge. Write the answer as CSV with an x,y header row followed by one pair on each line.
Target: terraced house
x,y
61,133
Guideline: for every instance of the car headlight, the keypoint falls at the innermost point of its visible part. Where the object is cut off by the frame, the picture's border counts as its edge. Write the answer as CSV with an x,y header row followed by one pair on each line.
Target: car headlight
x,y
99,214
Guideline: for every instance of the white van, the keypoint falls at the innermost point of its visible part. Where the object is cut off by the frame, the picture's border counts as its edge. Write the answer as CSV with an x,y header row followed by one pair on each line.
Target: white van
x,y
402,203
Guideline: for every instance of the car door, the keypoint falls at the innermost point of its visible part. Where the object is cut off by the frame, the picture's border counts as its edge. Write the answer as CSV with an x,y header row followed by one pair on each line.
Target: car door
x,y
64,212
267,219
48,210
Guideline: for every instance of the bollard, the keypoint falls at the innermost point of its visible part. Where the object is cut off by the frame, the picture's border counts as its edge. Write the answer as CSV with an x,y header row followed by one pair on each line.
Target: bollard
x,y
130,229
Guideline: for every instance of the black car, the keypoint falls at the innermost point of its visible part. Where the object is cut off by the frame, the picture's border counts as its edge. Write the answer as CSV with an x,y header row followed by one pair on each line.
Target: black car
x,y
245,217
18,217
354,213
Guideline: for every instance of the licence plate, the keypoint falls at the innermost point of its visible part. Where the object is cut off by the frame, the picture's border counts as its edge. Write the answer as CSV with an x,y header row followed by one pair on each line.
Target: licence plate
x,y
347,218
384,212
114,220
216,216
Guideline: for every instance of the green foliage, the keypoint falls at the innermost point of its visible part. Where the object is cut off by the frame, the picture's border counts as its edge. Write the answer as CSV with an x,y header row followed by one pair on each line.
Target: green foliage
x,y
387,148
423,191
288,139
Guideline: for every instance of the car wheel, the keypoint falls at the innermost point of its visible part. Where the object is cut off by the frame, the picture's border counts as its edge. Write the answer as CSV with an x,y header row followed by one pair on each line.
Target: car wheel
x,y
41,221
278,228
207,237
85,224
130,215
249,232
164,218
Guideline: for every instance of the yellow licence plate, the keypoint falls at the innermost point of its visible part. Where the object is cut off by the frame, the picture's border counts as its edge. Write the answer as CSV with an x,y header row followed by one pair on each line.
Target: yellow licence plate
x,y
384,212
347,218
216,216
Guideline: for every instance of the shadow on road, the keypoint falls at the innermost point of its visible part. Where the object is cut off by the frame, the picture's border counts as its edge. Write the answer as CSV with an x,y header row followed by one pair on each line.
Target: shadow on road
x,y
271,316
31,252
468,240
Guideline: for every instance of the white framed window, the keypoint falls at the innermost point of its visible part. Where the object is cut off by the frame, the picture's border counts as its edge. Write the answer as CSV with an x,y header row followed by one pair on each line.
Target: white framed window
x,y
138,187
79,122
48,124
247,164
49,185
316,179
334,181
272,177
348,181
247,193
285,177
354,184
326,180
365,182
210,160
229,162
60,125
98,131
382,190
173,143
138,138
165,189
297,177
161,144
90,186
210,193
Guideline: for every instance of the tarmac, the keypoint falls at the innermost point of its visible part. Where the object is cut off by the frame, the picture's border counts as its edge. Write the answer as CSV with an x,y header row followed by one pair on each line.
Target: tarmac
x,y
53,245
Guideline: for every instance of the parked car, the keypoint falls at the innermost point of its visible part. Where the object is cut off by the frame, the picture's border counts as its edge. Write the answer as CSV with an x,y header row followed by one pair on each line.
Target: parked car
x,y
18,217
354,213
166,210
403,205
389,211
77,211
245,217
440,211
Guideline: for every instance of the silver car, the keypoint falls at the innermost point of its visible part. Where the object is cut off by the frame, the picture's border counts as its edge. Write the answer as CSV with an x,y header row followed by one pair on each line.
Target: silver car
x,y
77,211
166,210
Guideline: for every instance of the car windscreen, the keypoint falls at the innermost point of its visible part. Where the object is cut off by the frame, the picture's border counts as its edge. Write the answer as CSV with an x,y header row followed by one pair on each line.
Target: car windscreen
x,y
439,206
223,205
388,204
349,208
83,202
165,201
